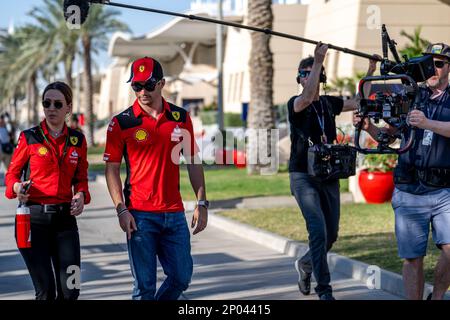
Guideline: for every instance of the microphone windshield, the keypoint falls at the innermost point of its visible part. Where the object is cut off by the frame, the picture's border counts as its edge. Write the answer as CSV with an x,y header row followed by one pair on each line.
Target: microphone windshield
x,y
76,11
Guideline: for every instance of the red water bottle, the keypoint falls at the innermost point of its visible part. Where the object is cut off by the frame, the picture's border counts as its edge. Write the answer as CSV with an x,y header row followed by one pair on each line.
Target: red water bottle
x,y
23,227
23,221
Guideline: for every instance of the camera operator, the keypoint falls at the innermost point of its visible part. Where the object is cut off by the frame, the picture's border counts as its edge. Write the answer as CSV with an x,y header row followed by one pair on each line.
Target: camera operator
x,y
312,118
422,181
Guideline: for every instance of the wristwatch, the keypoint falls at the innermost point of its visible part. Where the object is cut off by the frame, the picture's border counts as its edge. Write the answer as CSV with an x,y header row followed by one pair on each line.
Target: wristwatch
x,y
203,203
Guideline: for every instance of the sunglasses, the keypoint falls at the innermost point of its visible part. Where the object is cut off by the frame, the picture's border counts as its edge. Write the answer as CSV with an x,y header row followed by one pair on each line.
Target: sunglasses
x,y
48,103
304,73
439,63
148,86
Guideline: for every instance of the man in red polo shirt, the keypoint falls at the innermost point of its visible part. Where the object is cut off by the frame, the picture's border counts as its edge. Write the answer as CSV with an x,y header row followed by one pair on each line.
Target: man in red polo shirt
x,y
149,135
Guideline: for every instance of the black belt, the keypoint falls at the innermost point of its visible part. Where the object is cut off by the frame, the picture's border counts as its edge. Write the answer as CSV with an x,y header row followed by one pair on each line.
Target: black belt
x,y
433,177
50,208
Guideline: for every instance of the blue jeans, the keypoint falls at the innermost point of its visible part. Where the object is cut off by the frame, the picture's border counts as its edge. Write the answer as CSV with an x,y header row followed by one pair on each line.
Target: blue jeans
x,y
167,236
320,205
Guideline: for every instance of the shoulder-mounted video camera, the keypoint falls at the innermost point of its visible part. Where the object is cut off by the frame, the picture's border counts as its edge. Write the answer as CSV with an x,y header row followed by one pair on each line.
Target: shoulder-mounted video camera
x,y
393,102
331,161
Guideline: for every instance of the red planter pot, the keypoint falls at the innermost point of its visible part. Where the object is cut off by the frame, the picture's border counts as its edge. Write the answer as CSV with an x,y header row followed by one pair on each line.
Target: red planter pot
x,y
239,159
376,187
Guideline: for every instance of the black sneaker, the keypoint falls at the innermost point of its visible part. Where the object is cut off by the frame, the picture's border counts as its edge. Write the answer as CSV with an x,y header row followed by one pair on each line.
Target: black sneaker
x,y
327,296
430,296
304,278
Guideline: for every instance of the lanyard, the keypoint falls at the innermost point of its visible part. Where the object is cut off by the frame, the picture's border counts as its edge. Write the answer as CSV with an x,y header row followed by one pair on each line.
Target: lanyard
x,y
66,144
321,121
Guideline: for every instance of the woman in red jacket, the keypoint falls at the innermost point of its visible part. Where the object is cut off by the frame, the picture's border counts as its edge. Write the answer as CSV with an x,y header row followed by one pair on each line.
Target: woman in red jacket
x,y
54,158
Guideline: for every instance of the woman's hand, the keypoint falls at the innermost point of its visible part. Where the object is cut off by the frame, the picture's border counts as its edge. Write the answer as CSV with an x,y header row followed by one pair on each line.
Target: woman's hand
x,y
77,204
19,189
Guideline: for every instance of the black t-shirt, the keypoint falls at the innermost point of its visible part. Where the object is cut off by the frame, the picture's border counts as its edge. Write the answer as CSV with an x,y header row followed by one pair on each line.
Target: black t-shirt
x,y
305,124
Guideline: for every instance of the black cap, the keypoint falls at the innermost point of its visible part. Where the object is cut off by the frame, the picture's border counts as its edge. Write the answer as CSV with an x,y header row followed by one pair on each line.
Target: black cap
x,y
439,50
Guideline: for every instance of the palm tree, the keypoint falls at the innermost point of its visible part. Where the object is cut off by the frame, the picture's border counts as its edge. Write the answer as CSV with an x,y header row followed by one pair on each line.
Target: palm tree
x,y
261,112
62,40
100,23
10,49
8,94
346,85
40,47
417,44
22,60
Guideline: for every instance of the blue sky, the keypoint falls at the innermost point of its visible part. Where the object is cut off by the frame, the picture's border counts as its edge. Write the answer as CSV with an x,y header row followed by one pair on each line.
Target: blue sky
x,y
139,22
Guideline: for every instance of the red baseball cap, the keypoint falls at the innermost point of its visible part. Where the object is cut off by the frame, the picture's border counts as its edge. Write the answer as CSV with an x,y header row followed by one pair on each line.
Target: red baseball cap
x,y
144,69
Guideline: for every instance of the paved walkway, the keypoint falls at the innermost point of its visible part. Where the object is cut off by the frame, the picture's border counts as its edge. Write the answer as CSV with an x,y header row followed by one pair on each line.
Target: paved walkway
x,y
226,266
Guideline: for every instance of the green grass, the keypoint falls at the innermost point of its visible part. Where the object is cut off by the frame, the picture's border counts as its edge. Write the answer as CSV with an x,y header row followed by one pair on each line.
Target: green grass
x,y
366,233
233,183
230,183
96,150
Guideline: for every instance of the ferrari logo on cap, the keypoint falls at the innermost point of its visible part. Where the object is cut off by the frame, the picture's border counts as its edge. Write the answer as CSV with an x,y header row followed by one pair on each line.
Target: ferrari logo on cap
x,y
74,140
42,151
141,68
141,135
176,115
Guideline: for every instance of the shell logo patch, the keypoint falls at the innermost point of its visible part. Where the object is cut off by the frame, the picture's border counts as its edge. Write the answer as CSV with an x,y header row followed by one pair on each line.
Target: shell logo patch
x,y
42,151
141,135
176,115
141,68
74,140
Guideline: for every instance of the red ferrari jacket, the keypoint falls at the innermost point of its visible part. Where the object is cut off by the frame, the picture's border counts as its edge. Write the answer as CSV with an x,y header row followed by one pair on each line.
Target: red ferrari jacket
x,y
58,167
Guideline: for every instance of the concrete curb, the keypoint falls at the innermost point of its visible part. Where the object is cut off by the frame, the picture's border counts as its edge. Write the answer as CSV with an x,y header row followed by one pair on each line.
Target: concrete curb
x,y
389,281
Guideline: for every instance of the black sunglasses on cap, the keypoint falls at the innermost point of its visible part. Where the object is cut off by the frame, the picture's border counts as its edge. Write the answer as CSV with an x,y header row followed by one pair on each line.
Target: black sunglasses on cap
x,y
148,86
439,63
304,73
48,103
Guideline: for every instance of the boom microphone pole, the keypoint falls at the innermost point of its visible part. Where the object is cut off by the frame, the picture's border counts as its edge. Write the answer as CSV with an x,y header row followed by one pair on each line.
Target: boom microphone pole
x,y
85,4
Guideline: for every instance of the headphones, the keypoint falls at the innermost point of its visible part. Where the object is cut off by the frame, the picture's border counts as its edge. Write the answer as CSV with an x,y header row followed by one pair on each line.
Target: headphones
x,y
322,77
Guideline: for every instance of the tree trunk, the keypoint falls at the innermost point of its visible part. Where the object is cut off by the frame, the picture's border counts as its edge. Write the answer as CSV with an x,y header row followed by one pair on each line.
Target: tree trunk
x,y
261,114
88,91
68,67
33,111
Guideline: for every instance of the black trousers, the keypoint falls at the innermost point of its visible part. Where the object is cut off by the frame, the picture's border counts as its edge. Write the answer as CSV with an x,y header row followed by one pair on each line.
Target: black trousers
x,y
54,257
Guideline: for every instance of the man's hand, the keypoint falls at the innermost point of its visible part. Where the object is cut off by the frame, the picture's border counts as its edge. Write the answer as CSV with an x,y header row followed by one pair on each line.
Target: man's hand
x,y
320,52
200,218
127,223
418,119
357,119
19,189
77,204
373,65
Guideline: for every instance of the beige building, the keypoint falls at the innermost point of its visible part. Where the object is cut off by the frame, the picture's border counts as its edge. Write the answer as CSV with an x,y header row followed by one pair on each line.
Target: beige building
x,y
356,24
188,58
288,18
